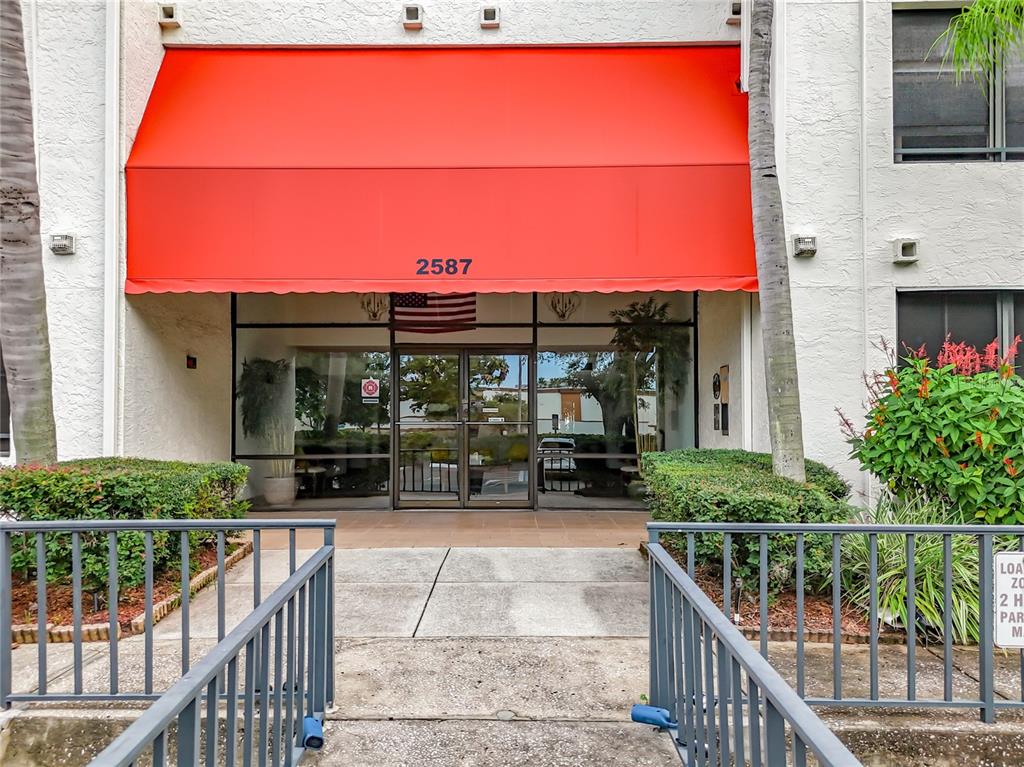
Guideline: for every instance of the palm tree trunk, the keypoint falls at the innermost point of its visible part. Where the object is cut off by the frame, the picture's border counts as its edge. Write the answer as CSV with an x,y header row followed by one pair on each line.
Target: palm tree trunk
x,y
784,424
24,336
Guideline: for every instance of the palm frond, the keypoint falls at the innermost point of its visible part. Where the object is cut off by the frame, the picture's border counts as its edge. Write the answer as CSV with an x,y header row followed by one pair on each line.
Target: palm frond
x,y
982,36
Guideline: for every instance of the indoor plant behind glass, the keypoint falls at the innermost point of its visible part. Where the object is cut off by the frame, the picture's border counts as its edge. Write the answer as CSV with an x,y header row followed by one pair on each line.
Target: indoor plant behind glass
x,y
267,416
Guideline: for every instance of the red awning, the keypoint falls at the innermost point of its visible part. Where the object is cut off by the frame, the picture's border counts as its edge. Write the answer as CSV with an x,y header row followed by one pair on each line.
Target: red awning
x,y
518,169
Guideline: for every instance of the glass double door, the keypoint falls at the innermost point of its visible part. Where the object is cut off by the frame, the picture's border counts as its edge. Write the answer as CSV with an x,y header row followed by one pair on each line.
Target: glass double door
x,y
464,431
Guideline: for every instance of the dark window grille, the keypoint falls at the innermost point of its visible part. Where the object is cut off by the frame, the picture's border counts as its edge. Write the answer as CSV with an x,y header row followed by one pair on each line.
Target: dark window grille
x,y
936,119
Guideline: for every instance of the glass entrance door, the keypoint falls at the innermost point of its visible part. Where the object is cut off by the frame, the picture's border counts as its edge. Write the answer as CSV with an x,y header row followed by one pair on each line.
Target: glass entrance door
x,y
464,428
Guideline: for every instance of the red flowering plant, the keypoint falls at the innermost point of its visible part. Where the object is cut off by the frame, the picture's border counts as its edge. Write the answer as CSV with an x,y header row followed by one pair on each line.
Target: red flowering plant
x,y
951,430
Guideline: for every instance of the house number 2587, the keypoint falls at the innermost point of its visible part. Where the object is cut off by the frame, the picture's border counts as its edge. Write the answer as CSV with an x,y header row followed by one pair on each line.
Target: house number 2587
x,y
443,265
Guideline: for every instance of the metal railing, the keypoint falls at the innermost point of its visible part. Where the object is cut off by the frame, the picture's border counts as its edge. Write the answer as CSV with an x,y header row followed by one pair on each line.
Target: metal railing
x,y
730,706
91,537
282,681
926,645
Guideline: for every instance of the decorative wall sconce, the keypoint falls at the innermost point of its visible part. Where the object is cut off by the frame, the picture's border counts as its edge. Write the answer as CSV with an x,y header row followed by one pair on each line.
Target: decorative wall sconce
x,y
564,305
376,306
805,246
62,244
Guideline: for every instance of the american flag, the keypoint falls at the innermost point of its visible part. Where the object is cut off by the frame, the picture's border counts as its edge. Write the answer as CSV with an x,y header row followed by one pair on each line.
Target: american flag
x,y
432,312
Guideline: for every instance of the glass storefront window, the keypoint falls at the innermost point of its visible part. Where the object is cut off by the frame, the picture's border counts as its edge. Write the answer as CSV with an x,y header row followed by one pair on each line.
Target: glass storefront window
x,y
481,417
320,417
599,408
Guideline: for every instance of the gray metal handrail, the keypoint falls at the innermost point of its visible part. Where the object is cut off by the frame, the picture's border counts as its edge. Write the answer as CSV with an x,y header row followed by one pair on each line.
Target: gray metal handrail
x,y
724,537
79,533
182,704
699,663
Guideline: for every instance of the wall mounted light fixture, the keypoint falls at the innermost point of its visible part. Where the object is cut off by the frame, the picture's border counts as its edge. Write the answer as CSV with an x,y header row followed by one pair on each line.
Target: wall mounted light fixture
x,y
412,16
62,244
564,305
805,246
376,305
168,16
490,17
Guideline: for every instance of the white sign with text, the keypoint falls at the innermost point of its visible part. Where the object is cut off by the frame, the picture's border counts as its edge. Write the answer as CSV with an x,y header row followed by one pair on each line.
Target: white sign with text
x,y
1009,599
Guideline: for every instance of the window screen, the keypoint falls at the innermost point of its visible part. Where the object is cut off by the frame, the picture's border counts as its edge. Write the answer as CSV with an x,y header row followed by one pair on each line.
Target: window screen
x,y
1013,78
1018,315
930,111
926,318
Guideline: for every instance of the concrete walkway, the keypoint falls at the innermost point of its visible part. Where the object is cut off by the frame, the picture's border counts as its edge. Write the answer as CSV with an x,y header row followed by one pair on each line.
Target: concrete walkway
x,y
444,656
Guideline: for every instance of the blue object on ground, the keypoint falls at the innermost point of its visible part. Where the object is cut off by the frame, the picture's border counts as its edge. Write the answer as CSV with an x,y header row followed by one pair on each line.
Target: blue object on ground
x,y
312,733
654,716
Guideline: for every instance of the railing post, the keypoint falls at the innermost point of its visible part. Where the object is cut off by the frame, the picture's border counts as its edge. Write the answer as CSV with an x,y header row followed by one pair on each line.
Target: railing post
x,y
659,636
985,641
5,619
319,644
329,541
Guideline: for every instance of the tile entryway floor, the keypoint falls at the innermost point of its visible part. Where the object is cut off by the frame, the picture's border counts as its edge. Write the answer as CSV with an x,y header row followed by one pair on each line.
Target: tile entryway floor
x,y
409,529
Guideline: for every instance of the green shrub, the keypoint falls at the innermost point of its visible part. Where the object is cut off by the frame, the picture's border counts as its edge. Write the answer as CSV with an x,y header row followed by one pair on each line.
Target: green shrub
x,y
929,563
117,488
738,486
953,433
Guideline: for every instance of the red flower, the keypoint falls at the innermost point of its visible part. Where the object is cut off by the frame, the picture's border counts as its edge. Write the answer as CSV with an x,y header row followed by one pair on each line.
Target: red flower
x,y
994,414
942,446
965,359
922,390
1010,468
977,439
990,360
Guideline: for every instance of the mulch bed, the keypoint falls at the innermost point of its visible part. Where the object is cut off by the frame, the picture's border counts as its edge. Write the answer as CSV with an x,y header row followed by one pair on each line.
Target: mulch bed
x,y
782,609
131,602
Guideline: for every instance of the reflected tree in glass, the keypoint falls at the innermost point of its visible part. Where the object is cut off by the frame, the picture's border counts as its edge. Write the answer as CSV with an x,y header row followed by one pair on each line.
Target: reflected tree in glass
x,y
654,352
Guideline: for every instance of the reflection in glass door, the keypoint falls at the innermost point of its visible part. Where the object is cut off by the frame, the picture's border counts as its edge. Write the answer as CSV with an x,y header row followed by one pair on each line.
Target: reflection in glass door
x,y
429,426
464,429
498,432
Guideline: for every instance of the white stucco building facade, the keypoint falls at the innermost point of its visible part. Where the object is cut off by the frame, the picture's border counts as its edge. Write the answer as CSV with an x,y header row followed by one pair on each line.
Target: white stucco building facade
x,y
121,381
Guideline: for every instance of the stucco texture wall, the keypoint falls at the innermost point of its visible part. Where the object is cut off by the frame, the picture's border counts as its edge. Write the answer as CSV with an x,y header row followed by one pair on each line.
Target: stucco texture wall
x,y
841,184
64,50
170,411
448,22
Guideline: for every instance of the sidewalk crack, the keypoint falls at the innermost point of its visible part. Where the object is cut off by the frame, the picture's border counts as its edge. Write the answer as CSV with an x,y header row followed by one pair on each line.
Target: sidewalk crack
x,y
433,585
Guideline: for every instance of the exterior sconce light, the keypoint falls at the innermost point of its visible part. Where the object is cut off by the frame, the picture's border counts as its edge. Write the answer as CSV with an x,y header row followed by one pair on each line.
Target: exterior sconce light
x,y
62,244
490,17
904,252
168,16
376,306
735,11
412,16
564,305
805,246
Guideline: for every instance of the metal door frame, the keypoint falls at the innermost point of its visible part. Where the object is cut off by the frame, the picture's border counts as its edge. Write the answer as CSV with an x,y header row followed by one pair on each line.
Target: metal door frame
x,y
463,424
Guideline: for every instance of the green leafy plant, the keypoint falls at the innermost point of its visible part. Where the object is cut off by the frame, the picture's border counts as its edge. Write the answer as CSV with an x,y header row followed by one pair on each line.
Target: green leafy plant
x,y
929,566
650,348
116,488
738,486
952,432
267,409
981,37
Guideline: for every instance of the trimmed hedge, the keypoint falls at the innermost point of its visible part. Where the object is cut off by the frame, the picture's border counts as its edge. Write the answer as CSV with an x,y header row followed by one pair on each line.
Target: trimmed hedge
x,y
117,488
738,486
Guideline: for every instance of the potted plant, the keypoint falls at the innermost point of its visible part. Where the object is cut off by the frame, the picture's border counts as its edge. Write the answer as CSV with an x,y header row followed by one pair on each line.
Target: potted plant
x,y
267,416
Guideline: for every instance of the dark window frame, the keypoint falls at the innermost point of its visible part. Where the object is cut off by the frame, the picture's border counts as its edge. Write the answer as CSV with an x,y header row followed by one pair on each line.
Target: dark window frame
x,y
1008,322
996,148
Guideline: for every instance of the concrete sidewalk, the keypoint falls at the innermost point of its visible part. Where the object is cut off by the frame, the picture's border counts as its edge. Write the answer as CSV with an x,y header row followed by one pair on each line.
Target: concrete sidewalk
x,y
444,656
504,656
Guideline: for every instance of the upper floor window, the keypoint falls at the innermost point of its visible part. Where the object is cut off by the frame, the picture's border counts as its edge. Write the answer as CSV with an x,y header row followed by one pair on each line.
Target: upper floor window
x,y
936,119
